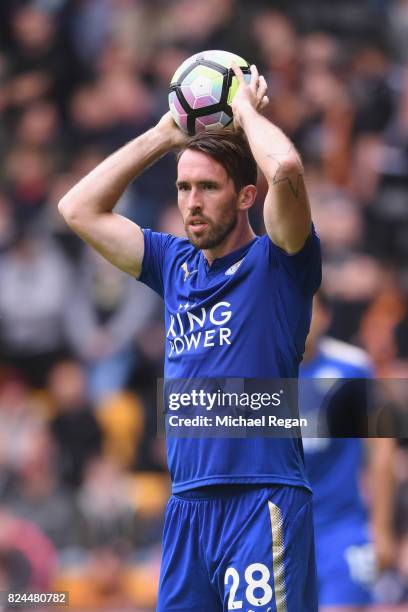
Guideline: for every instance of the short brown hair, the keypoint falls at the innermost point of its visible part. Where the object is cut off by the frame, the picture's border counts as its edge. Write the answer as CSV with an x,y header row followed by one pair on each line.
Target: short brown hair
x,y
230,149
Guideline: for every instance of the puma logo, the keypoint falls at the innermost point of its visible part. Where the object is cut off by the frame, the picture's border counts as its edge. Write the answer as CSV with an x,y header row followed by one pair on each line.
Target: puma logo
x,y
186,271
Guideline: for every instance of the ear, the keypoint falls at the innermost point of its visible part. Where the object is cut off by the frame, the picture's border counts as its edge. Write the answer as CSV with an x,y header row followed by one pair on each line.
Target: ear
x,y
246,197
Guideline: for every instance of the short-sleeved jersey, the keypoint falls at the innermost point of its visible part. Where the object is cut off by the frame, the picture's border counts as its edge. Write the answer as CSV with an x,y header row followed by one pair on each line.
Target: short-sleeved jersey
x,y
245,316
334,464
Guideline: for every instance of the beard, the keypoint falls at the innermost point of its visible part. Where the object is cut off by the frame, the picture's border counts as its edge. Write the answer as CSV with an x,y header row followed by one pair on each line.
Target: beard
x,y
215,232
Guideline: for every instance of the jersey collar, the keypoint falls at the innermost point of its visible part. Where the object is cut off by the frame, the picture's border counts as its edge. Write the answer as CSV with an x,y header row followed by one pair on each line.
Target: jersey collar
x,y
229,259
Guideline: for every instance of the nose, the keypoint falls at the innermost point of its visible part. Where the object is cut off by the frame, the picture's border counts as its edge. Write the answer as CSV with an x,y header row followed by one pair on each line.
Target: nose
x,y
194,200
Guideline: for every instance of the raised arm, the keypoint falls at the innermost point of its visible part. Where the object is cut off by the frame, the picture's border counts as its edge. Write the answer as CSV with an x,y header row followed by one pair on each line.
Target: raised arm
x,y
286,210
88,206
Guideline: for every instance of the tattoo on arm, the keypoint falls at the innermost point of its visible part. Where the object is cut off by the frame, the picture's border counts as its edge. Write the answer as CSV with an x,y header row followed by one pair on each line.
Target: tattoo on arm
x,y
279,177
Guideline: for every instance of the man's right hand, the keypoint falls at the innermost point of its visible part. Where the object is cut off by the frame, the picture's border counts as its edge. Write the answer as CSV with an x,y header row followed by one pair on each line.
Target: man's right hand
x,y
170,132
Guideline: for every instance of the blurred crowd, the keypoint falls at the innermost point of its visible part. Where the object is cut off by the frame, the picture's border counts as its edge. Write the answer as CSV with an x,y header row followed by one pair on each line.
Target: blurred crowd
x,y
82,473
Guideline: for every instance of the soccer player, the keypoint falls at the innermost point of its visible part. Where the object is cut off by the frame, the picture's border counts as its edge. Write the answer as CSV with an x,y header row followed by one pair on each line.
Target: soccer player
x,y
348,547
238,530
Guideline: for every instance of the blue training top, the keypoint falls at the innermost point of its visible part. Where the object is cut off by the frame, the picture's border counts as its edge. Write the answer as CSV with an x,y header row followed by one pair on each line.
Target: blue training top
x,y
245,316
334,464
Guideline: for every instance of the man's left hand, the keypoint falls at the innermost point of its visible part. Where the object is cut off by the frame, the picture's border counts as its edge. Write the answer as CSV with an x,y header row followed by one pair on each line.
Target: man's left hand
x,y
251,94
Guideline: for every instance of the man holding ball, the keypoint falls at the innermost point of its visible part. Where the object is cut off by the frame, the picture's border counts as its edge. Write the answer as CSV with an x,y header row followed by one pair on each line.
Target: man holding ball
x,y
238,531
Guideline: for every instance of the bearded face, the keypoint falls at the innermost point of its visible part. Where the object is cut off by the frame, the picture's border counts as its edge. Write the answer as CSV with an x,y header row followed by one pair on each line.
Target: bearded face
x,y
207,200
208,233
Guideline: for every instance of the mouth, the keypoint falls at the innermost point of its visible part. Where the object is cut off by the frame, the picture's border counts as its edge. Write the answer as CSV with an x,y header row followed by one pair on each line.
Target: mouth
x,y
197,226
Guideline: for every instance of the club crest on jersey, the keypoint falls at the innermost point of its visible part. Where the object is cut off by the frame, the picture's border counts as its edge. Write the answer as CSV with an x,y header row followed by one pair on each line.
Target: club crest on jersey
x,y
233,268
186,271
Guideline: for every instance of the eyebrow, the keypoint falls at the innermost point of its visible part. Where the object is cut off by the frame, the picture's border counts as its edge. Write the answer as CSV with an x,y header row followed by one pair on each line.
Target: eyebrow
x,y
202,182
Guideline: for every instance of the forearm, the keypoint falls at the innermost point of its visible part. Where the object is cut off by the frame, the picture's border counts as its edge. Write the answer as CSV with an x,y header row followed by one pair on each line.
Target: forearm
x,y
88,206
382,492
286,210
382,483
272,149
99,191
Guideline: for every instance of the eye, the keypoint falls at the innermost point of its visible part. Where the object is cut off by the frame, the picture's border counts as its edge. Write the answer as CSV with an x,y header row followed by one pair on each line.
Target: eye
x,y
182,186
209,186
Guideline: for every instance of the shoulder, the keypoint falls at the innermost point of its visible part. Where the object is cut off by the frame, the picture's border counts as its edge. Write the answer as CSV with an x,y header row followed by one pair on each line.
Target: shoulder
x,y
310,247
165,245
347,355
302,269
162,252
162,238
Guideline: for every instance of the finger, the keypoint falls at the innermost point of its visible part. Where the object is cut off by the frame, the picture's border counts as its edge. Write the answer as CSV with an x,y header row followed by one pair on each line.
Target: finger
x,y
262,88
264,103
238,72
254,78
236,124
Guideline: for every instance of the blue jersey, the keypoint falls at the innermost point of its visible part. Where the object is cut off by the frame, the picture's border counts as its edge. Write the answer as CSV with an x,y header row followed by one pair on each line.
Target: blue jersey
x,y
334,464
245,316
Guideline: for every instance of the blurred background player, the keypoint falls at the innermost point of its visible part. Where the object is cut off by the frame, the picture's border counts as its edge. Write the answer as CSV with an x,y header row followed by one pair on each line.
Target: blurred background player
x,y
354,535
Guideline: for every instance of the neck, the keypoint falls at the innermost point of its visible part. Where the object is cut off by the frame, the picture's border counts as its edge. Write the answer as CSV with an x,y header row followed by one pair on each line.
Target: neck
x,y
238,238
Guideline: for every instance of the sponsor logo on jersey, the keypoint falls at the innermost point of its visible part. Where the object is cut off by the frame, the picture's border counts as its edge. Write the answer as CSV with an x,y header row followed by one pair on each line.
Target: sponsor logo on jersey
x,y
204,328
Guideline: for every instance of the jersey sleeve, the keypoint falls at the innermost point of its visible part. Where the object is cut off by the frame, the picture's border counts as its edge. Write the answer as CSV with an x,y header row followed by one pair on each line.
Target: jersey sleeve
x,y
156,250
305,266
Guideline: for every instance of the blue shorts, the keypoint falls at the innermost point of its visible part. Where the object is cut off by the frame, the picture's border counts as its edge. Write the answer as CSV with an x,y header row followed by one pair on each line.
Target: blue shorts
x,y
239,548
346,565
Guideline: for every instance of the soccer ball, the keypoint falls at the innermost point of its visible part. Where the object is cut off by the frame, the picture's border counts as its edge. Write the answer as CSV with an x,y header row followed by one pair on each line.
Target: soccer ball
x,y
202,89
